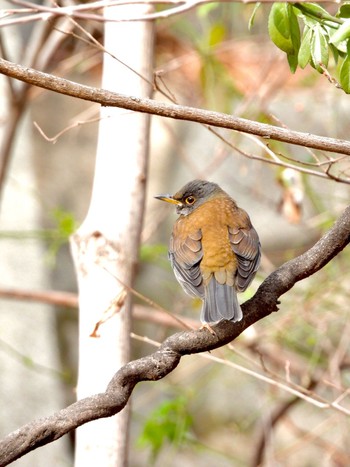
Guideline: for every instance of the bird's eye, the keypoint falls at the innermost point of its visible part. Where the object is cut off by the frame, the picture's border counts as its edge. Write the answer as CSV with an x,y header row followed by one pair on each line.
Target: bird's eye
x,y
190,200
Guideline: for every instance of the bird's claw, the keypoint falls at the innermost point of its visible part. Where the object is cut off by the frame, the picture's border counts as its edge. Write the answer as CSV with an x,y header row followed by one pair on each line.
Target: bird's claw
x,y
209,328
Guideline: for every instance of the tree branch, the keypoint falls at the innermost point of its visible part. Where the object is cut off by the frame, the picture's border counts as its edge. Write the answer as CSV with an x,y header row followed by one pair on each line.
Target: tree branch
x,y
175,7
157,365
269,424
179,112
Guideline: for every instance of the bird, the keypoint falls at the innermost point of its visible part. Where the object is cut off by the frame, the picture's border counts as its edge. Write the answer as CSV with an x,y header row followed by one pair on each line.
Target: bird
x,y
214,249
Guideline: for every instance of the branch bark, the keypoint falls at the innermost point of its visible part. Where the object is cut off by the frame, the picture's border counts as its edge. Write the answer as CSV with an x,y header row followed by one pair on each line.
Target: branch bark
x,y
157,365
179,112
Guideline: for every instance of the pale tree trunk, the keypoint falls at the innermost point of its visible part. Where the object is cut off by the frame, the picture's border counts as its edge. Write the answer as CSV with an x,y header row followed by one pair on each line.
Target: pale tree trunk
x,y
109,236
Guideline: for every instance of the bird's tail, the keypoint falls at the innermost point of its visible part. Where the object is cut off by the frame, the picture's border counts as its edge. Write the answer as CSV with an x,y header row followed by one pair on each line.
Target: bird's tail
x,y
220,302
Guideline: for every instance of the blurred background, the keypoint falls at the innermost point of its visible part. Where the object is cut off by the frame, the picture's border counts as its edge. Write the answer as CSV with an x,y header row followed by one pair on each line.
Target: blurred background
x,y
233,406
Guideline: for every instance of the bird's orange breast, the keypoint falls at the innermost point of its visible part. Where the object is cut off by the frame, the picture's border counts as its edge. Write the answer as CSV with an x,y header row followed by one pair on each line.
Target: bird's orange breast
x,y
212,219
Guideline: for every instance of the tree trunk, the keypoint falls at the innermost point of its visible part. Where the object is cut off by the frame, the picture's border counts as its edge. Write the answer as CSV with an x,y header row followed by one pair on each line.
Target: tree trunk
x,y
105,248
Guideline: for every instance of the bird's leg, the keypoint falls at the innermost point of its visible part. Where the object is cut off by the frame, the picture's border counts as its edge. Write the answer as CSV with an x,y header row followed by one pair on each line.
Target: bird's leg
x,y
209,328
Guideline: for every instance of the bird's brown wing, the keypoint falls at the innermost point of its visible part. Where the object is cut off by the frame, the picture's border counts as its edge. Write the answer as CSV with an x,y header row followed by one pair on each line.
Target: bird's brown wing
x,y
246,246
185,255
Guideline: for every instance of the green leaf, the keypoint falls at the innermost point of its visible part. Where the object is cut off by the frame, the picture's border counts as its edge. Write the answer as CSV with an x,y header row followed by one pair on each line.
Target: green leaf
x,y
170,422
314,12
319,48
65,226
252,16
284,31
217,34
344,10
344,75
335,52
342,34
294,29
204,10
65,222
310,22
295,36
340,46
279,27
304,54
292,62
152,253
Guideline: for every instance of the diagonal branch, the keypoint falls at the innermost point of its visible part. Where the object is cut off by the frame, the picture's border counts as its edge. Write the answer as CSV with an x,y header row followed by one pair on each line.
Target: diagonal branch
x,y
157,365
179,112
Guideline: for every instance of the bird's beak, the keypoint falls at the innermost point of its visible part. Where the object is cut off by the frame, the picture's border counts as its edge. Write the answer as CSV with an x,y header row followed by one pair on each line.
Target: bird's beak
x,y
169,199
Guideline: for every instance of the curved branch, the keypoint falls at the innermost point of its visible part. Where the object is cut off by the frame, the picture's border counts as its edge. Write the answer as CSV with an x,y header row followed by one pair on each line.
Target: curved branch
x,y
179,112
157,365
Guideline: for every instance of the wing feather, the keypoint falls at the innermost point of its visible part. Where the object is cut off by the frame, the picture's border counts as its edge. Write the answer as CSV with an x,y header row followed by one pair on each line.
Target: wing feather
x,y
246,246
185,256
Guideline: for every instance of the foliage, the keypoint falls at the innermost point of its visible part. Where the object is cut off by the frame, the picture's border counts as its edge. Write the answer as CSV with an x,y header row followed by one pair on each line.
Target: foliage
x,y
153,253
170,422
308,34
65,226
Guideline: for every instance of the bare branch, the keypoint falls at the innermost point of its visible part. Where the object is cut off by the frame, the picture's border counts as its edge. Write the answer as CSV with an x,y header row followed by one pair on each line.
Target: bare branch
x,y
55,138
53,297
150,106
300,392
157,365
43,12
269,424
152,313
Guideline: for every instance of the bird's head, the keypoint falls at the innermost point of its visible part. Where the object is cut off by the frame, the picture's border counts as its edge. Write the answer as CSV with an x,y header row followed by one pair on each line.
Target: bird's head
x,y
192,195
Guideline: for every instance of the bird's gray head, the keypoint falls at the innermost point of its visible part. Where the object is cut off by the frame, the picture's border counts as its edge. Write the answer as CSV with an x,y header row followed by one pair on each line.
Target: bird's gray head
x,y
192,195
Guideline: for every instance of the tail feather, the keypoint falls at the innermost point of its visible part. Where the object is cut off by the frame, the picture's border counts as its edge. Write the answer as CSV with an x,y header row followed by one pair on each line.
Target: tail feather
x,y
220,302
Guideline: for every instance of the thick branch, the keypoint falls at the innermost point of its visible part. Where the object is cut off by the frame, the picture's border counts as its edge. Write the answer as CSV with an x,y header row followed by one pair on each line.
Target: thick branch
x,y
157,365
150,106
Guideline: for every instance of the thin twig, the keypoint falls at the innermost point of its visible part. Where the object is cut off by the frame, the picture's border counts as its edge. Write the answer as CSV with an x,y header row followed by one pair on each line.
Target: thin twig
x,y
77,11
269,424
55,138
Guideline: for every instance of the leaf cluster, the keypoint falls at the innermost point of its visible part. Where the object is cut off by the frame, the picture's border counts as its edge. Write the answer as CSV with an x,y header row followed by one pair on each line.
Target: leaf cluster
x,y
308,34
168,423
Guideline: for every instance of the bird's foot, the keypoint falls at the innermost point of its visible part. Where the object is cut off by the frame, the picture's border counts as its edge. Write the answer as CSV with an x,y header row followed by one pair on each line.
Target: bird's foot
x,y
209,328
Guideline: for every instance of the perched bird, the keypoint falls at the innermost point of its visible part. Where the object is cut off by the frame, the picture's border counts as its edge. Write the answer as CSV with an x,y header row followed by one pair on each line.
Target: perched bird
x,y
214,249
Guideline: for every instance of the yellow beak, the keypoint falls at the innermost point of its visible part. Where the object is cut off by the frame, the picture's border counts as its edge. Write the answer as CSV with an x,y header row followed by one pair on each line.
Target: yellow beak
x,y
169,199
